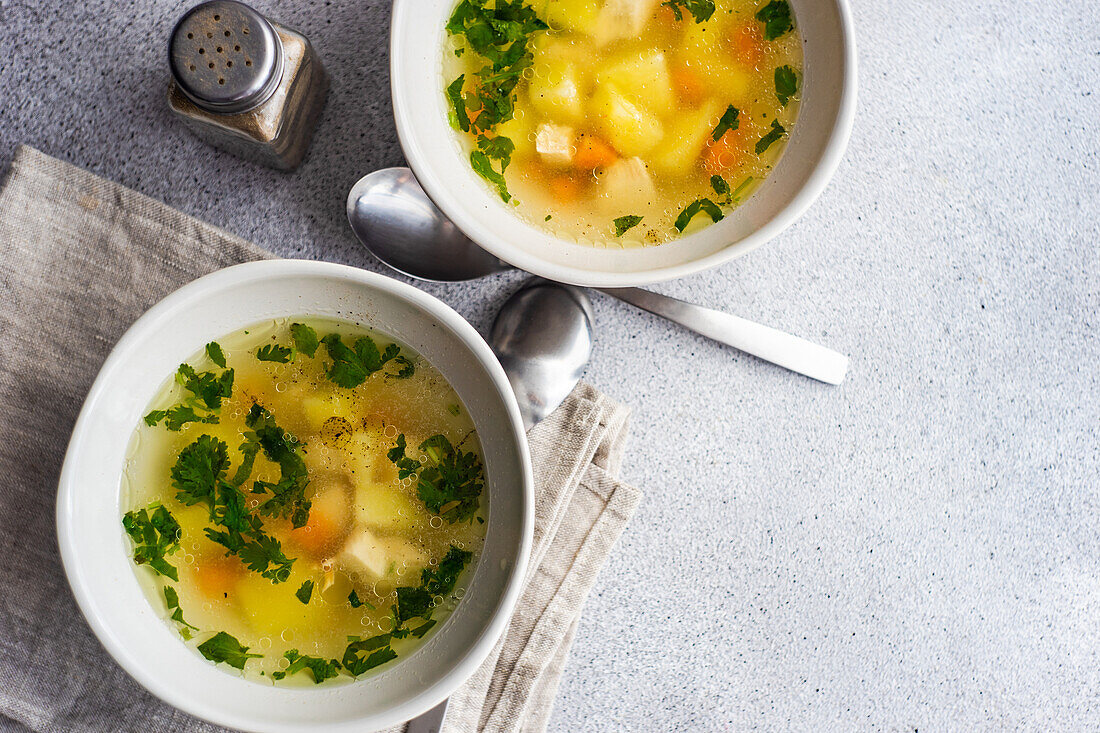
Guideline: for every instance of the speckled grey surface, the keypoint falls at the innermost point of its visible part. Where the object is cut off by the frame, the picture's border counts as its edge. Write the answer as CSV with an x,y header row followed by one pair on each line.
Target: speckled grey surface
x,y
917,549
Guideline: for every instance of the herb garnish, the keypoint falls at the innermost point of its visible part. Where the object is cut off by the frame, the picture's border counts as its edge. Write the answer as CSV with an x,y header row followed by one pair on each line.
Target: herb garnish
x,y
786,84
741,188
701,10
273,352
305,592
776,17
175,418
719,185
773,135
288,498
305,338
412,602
318,667
209,387
356,602
449,483
625,223
704,205
198,470
222,647
214,351
351,366
172,599
407,368
728,121
156,534
500,35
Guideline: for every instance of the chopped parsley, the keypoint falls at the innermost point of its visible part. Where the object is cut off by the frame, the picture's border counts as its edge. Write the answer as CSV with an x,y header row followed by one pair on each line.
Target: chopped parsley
x,y
318,667
356,601
198,470
704,205
786,84
776,17
222,647
719,185
362,655
449,482
728,121
500,35
155,534
701,10
305,339
172,599
176,418
208,387
773,135
625,223
407,368
352,365
214,351
305,592
273,352
288,494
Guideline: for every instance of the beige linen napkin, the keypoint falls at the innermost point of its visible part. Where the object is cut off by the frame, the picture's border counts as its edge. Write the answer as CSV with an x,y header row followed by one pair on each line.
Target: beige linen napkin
x,y
80,259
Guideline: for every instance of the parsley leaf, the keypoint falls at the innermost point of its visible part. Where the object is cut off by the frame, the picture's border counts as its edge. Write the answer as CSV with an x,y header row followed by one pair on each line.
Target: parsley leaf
x,y
481,164
305,592
625,223
222,647
353,599
209,387
498,148
198,470
701,10
214,351
442,580
407,368
176,418
776,17
305,338
728,121
422,629
449,482
458,103
264,555
380,653
172,599
273,352
705,205
351,366
719,185
786,84
773,135
411,603
288,498
155,534
318,667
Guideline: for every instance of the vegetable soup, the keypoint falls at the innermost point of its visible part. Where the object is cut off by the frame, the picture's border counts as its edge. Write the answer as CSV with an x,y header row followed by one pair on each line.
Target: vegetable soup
x,y
302,501
622,122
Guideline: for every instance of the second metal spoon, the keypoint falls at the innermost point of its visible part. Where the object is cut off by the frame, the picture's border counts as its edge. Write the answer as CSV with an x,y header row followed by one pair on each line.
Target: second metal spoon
x,y
399,224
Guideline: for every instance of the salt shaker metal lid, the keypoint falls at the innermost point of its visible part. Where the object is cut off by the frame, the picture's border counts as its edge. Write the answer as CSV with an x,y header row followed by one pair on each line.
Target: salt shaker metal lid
x,y
225,57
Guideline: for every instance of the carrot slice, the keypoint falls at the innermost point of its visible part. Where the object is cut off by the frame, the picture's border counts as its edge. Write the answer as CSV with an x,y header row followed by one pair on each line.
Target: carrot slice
x,y
217,577
747,45
688,84
724,154
592,153
564,189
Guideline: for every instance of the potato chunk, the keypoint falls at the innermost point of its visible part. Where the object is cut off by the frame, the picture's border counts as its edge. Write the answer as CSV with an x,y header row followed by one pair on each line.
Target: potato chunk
x,y
684,141
573,15
557,93
644,77
622,19
631,129
624,185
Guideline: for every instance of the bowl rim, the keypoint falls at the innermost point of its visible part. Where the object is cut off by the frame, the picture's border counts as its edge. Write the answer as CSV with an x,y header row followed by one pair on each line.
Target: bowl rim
x,y
436,186
435,310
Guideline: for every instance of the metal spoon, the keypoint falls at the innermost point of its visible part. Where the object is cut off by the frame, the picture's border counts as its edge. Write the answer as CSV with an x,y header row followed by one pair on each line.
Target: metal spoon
x,y
399,224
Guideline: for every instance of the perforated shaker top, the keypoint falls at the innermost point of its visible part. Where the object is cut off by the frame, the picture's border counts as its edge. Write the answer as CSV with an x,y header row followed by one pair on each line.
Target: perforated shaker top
x,y
225,56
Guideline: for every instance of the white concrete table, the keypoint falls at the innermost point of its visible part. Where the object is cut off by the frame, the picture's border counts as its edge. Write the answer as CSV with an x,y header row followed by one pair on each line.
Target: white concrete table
x,y
917,549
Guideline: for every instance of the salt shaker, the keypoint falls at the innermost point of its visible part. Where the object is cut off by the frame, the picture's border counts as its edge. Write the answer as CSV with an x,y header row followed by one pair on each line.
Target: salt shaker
x,y
245,83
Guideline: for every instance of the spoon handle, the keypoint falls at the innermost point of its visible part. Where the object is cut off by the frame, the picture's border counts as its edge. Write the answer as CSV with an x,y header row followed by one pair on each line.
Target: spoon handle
x,y
780,348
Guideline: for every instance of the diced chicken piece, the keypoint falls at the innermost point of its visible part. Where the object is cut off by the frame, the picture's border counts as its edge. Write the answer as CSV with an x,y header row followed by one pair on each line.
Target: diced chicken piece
x,y
622,19
625,185
555,144
375,556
